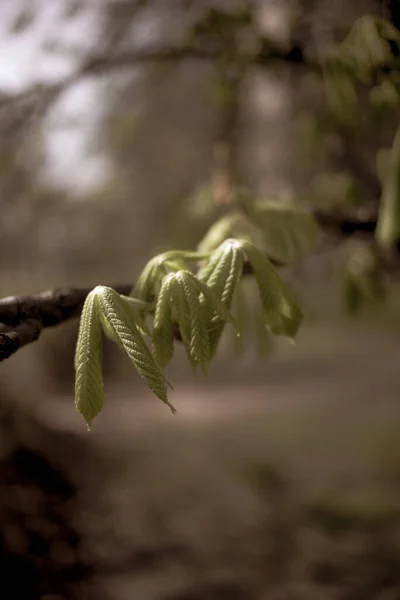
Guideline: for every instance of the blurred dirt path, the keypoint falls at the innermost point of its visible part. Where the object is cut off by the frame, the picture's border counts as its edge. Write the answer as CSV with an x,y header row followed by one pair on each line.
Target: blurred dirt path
x,y
365,366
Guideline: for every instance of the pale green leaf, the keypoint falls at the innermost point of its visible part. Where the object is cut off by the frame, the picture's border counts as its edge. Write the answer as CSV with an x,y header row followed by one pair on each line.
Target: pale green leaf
x,y
199,346
163,335
145,286
135,313
109,332
217,278
222,280
214,303
89,388
182,311
281,312
115,311
204,273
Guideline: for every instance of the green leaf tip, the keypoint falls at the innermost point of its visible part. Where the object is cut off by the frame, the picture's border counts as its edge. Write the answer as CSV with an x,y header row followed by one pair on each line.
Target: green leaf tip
x,y
119,317
282,314
117,313
197,307
89,387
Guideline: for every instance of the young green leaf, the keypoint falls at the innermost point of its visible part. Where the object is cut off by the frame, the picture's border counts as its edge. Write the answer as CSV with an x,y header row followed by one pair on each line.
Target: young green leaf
x,y
163,335
208,268
144,288
222,280
281,312
136,311
214,303
199,345
242,316
216,277
115,311
149,281
89,388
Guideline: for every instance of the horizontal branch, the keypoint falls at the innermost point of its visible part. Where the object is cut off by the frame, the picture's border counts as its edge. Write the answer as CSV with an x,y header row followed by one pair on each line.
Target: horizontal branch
x,y
23,318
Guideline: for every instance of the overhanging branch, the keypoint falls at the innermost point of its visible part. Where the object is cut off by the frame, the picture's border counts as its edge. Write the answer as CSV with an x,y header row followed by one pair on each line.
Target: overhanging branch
x,y
23,318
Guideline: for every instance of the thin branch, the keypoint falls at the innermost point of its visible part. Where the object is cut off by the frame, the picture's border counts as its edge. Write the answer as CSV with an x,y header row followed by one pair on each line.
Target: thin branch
x,y
23,318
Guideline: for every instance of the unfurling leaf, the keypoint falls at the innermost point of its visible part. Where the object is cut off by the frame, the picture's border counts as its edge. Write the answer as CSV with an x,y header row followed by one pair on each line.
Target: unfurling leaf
x,y
199,342
149,283
388,226
115,310
89,388
145,286
281,312
163,334
222,279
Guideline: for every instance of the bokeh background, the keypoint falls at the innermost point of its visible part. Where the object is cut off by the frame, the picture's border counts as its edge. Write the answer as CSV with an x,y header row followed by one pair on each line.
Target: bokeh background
x,y
122,125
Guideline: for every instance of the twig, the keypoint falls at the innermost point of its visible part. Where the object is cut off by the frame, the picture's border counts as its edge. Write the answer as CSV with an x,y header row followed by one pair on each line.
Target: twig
x,y
23,318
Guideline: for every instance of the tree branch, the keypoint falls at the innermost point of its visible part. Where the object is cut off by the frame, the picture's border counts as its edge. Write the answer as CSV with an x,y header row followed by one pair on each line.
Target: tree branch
x,y
23,318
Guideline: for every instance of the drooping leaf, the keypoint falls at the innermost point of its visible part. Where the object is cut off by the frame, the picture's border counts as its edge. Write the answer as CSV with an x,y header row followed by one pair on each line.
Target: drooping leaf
x,y
281,312
163,334
388,226
221,275
225,286
149,281
146,283
137,304
115,311
242,316
109,331
182,311
205,272
214,303
89,388
199,344
136,312
219,269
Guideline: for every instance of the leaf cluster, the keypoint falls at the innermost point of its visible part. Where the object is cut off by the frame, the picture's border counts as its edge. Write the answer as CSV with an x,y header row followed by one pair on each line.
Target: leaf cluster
x,y
185,303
